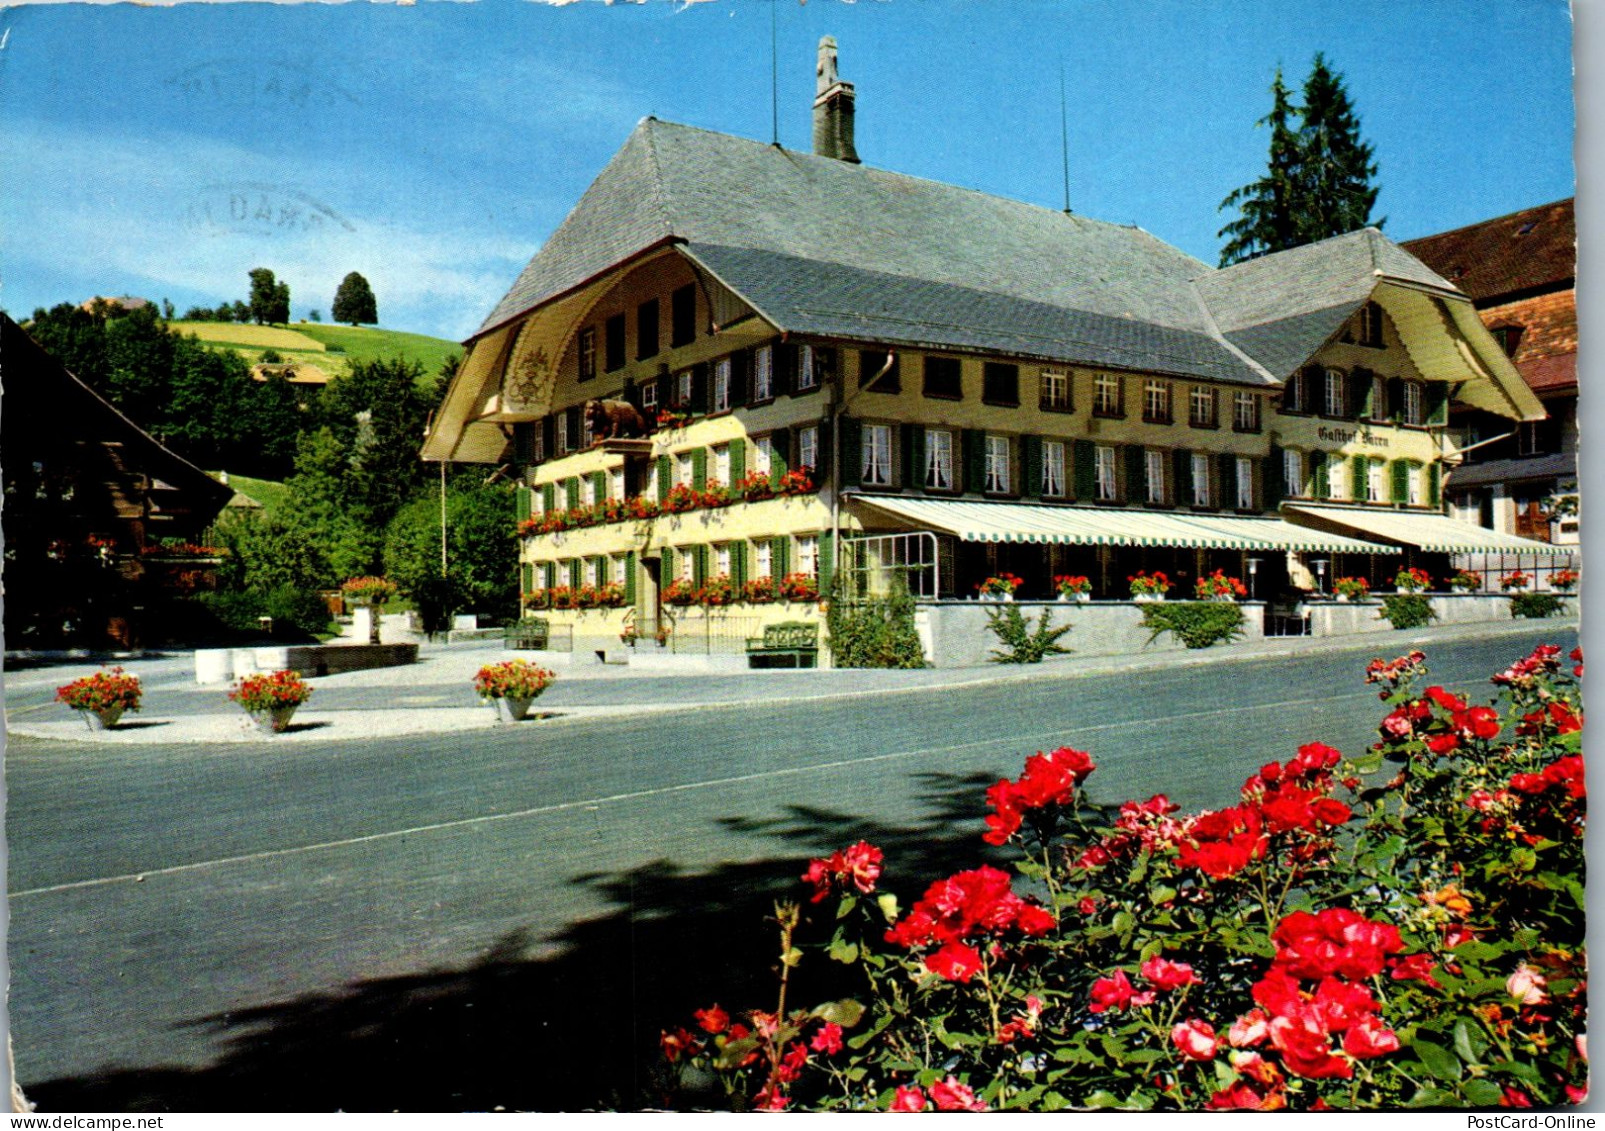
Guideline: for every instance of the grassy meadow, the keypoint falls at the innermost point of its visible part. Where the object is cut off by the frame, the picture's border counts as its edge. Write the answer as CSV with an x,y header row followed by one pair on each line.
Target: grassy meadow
x,y
330,348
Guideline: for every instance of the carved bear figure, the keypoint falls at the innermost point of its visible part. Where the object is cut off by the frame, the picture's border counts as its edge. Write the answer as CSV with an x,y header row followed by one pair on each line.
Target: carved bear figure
x,y
615,420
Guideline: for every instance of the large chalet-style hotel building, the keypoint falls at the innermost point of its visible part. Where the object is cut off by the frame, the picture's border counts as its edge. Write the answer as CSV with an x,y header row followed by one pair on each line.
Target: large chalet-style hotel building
x,y
847,366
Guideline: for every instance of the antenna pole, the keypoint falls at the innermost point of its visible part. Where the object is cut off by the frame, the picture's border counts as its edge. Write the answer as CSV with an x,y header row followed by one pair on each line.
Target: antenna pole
x,y
1064,139
774,78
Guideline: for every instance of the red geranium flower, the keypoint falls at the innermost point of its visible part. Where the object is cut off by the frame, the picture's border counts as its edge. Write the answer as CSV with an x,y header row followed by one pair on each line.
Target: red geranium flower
x,y
713,1019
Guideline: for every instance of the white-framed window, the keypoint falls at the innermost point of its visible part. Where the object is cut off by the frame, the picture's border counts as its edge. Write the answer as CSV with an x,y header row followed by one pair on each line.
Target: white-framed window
x,y
649,398
939,459
688,564
1293,393
1153,477
620,572
683,469
538,443
763,373
587,434
763,455
587,491
1336,398
808,554
721,385
1156,401
562,433
808,446
1053,469
1371,325
721,464
1104,464
651,487
763,560
877,455
682,388
1379,397
548,574
586,353
721,560
615,483
1412,403
598,571
1106,395
1292,473
997,464
807,373
1245,412
1201,407
1245,483
1201,480
1415,493
1055,389
1373,482
1337,472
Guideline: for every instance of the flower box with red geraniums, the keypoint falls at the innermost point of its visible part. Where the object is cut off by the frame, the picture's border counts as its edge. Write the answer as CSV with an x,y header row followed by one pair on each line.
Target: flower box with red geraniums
x,y
610,510
1565,580
797,481
271,699
104,690
1000,585
609,595
758,590
538,599
1149,585
1352,588
563,597
1412,580
512,679
755,487
718,591
640,506
680,592
369,590
1464,581
715,494
1073,585
799,587
1219,587
1515,580
680,499
668,418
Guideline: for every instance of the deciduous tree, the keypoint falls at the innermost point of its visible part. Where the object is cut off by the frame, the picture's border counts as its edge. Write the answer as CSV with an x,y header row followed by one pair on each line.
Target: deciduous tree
x,y
354,301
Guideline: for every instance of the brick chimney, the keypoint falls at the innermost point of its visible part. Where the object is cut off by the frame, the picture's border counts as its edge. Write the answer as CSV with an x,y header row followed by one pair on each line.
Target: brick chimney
x,y
833,108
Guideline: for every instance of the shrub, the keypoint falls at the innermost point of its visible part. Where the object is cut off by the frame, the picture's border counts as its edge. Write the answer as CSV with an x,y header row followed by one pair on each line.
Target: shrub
x,y
1403,928
1407,610
105,689
1197,624
874,632
301,609
1535,605
1022,645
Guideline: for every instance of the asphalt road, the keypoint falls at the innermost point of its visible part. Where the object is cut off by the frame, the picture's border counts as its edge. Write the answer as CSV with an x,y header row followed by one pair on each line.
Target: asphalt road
x,y
454,923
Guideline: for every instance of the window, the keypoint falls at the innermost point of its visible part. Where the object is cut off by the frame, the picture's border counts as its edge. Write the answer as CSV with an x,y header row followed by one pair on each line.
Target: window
x,y
587,491
646,329
1507,337
651,488
682,389
1373,482
587,353
1106,396
1156,402
938,459
721,385
1336,403
721,560
613,343
1054,390
1336,470
649,399
763,373
1245,412
562,433
1245,483
870,375
620,573
1379,397
808,554
944,378
1414,495
587,434
997,464
763,455
1000,383
1371,325
537,443
1154,475
1104,463
807,375
597,571
683,472
721,464
1201,407
683,316
763,560
688,565
615,483
1293,394
877,455
1536,438
537,502
1292,474
1201,480
1412,403
808,447
1053,469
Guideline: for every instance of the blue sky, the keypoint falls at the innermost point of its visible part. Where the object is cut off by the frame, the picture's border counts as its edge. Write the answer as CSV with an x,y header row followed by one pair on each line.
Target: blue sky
x,y
166,151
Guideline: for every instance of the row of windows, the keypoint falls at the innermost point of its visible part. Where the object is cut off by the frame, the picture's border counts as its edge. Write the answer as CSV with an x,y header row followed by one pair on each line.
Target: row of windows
x,y
1158,398
1331,475
682,332
1362,395
738,560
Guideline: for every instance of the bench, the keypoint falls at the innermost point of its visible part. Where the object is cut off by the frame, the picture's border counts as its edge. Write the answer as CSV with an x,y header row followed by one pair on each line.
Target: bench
x,y
529,634
791,644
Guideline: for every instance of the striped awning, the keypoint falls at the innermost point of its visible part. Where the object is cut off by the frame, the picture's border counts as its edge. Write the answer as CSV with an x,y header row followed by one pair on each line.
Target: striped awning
x,y
1434,533
1097,526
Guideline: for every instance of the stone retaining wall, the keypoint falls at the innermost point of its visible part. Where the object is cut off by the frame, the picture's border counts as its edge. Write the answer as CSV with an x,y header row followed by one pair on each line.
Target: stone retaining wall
x,y
956,634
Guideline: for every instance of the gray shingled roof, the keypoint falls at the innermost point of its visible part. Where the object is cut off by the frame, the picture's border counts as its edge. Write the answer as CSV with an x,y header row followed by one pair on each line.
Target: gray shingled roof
x,y
825,247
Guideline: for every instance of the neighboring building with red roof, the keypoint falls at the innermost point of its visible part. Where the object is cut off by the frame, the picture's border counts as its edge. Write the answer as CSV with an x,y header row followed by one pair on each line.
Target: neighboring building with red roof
x,y
1520,273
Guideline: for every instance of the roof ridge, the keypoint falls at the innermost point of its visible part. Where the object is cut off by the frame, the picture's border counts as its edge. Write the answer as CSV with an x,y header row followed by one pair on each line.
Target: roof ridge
x,y
660,189
1215,332
1492,220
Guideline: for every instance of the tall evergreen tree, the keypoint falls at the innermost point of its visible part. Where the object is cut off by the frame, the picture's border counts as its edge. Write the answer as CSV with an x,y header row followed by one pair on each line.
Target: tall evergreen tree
x,y
1318,181
354,301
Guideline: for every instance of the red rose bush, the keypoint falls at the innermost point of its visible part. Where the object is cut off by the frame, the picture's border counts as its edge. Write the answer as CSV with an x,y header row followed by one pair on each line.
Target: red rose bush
x,y
1400,927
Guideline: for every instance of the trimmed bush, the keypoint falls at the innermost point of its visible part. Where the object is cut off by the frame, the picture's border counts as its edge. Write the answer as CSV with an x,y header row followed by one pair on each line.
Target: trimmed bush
x,y
1197,624
1407,610
1536,605
876,632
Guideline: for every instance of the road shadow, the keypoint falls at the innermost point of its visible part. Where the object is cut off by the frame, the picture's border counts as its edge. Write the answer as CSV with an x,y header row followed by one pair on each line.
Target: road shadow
x,y
567,1023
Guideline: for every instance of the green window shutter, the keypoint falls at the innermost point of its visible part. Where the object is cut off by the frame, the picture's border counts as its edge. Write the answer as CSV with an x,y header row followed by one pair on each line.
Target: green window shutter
x,y
852,455
1086,471
973,441
1401,480
549,497
738,460
1030,467
523,495
780,555
738,564
699,565
1433,470
526,577
1362,385
779,454
699,469
629,577
599,485
1272,476
1359,472
667,573
1135,469
827,560
665,476
1436,403
909,436
1323,478
571,489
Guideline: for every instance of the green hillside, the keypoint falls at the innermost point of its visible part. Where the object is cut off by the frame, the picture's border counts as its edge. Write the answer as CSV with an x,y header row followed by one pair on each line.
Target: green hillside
x,y
363,343
264,491
331,348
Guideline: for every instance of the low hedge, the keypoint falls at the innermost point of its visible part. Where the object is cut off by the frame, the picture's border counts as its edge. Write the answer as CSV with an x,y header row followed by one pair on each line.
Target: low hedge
x,y
1197,624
